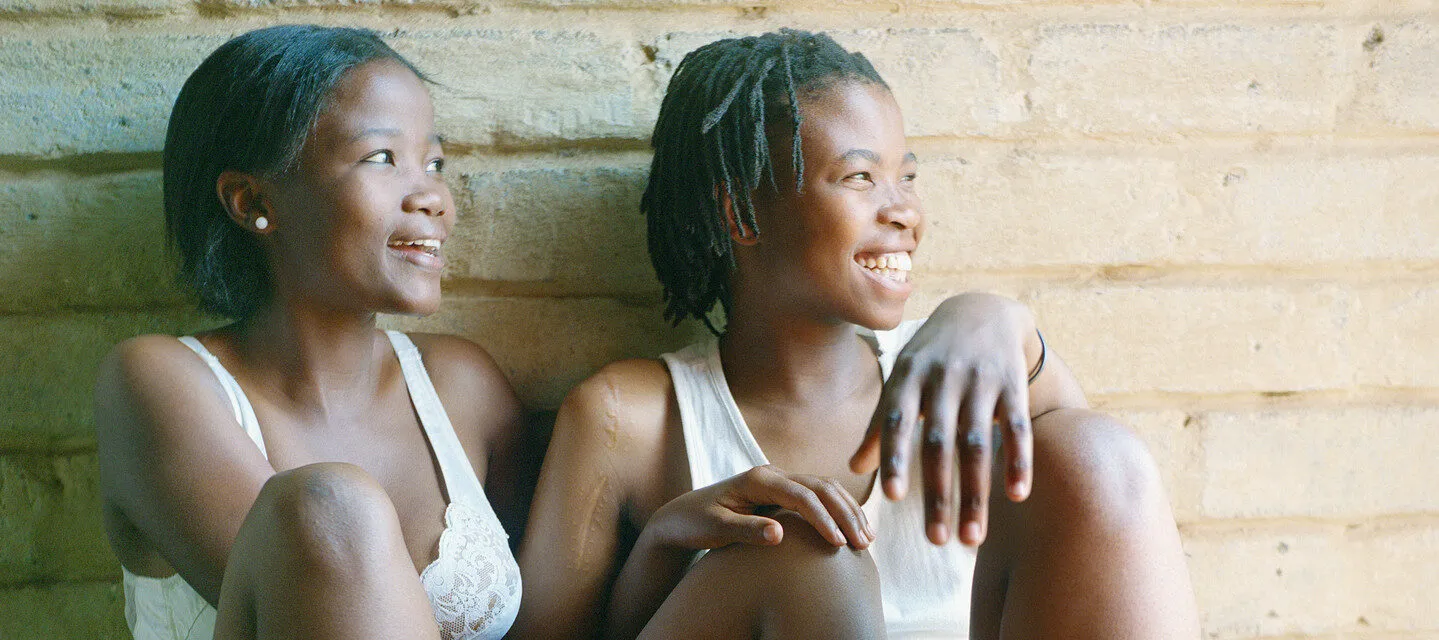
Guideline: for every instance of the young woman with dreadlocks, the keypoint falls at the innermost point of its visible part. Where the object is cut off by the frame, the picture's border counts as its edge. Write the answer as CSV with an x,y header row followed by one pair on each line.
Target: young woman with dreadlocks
x,y
782,188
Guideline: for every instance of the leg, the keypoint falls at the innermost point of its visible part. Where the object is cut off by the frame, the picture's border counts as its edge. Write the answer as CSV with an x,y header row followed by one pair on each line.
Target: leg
x,y
320,555
800,588
1093,553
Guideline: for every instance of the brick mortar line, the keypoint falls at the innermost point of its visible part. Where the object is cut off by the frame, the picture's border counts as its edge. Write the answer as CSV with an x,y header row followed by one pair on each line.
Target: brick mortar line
x,y
43,583
1192,403
1356,632
1031,279
1239,275
586,150
1356,525
756,11
1234,401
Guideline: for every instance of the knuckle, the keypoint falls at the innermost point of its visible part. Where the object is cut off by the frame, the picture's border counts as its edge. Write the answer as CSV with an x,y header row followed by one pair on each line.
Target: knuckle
x,y
934,436
1018,424
974,443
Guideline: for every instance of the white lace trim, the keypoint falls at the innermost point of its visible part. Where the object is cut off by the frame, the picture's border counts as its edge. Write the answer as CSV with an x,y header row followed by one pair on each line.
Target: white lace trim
x,y
474,583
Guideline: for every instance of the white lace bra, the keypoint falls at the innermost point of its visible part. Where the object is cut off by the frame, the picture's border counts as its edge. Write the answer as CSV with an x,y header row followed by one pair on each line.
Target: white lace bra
x,y
473,583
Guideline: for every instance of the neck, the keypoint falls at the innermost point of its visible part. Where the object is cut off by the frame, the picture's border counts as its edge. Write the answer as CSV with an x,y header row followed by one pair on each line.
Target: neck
x,y
311,356
778,358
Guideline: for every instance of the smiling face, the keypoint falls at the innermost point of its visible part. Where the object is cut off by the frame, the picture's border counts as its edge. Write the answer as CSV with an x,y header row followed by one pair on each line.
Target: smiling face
x,y
359,223
843,246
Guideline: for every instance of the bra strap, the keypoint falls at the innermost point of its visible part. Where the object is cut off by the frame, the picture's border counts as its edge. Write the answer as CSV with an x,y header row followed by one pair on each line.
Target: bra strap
x,y
455,468
244,412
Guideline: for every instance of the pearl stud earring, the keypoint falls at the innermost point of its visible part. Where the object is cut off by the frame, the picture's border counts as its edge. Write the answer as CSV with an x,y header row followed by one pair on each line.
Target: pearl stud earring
x,y
261,223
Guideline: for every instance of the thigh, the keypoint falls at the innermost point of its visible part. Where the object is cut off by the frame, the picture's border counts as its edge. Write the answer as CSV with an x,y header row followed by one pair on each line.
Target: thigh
x,y
800,588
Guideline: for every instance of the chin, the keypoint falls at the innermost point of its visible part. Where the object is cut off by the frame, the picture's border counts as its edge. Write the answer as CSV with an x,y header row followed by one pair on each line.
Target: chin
x,y
881,318
419,304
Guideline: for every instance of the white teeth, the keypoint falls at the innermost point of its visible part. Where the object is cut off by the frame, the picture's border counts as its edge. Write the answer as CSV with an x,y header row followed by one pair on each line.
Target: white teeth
x,y
891,265
430,243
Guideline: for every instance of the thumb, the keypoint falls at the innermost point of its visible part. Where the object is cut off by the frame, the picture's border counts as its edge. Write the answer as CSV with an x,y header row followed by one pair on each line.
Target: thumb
x,y
866,458
749,529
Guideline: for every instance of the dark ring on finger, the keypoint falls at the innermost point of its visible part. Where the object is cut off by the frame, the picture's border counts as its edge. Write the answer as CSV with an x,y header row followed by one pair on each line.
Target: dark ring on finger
x,y
934,436
891,421
974,441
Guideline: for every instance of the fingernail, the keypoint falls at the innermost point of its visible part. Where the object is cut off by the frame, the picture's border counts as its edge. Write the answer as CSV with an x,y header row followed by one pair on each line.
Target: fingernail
x,y
938,533
894,487
1021,490
971,533
771,534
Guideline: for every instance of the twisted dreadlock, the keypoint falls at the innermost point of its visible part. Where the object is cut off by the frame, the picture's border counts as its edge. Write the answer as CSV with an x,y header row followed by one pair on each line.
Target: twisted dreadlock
x,y
712,136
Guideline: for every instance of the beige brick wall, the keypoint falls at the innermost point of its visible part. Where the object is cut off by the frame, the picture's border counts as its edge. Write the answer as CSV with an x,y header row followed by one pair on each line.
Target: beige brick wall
x,y
1223,212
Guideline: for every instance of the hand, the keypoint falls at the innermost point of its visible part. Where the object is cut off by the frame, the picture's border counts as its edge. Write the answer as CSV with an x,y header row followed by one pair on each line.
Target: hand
x,y
732,511
964,370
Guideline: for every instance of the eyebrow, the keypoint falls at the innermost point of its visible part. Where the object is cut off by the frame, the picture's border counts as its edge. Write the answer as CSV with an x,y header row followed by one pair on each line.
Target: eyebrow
x,y
872,156
375,132
860,153
389,132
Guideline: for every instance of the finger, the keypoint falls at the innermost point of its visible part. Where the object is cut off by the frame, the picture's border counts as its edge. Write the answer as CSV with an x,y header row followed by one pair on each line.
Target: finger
x,y
898,416
748,529
1012,412
842,507
937,456
976,424
885,417
779,489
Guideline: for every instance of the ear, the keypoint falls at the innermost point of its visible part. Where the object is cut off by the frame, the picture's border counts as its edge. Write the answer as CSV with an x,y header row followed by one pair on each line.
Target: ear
x,y
737,232
241,195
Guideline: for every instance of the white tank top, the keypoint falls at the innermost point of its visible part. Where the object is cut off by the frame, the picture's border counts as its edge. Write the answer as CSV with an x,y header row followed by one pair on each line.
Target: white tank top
x,y
473,584
925,589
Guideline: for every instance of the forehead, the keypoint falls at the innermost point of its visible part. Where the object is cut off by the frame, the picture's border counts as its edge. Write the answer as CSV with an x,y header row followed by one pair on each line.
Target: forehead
x,y
377,94
851,115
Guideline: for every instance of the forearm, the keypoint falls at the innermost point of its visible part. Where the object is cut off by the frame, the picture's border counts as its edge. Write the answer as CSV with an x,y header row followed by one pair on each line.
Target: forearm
x,y
1055,387
649,574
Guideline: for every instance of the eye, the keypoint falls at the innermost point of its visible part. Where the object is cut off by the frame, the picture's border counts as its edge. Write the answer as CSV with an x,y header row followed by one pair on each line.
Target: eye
x,y
383,156
436,166
861,179
909,177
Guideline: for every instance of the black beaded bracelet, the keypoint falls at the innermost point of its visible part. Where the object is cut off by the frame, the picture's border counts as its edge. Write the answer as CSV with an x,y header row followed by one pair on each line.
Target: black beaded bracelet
x,y
1033,375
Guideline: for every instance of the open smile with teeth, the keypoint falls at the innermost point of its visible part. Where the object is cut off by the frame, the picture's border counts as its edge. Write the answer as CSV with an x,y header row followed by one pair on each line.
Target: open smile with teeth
x,y
893,266
429,246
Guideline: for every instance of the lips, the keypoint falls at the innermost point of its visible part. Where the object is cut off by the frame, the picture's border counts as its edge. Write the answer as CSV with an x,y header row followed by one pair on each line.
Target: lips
x,y
892,266
422,252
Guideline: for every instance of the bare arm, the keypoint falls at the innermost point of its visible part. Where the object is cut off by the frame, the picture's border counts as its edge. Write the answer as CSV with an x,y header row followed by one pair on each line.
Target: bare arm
x,y
174,464
569,555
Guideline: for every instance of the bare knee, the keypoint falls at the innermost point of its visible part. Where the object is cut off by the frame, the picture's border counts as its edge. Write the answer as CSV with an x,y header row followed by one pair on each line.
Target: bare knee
x,y
325,513
804,586
1090,469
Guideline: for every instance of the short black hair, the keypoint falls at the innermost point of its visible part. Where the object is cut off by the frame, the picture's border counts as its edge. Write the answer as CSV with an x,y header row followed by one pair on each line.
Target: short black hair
x,y
249,107
724,101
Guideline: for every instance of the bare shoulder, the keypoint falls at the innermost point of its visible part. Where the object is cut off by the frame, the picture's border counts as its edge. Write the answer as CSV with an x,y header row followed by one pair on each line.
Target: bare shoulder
x,y
620,418
454,361
628,396
148,374
474,390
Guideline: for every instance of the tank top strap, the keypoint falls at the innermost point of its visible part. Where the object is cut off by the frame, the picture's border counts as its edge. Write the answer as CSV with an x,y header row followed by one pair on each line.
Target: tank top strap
x,y
244,412
461,483
718,443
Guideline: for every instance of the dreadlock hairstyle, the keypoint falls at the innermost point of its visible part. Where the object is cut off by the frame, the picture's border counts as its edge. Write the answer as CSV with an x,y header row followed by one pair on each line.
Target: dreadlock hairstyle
x,y
712,136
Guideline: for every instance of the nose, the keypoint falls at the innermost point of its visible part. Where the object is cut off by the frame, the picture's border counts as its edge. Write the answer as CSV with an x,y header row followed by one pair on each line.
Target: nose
x,y
901,210
430,197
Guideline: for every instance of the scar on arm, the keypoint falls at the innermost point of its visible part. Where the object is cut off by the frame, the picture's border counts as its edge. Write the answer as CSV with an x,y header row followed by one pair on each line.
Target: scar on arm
x,y
612,415
591,521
